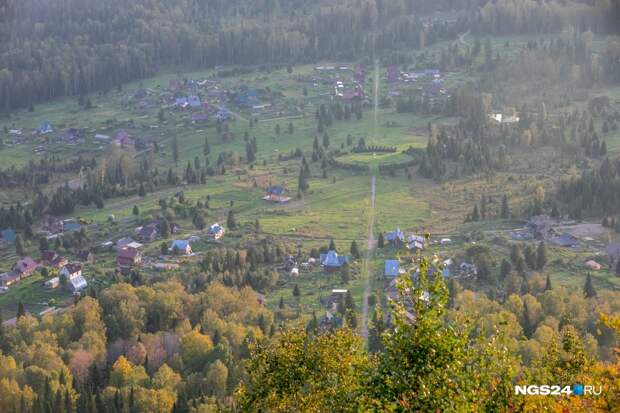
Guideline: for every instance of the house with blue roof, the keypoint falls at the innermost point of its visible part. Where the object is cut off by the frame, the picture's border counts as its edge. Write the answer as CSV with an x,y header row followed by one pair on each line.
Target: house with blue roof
x,y
181,246
8,236
45,128
194,101
395,238
565,240
332,262
215,232
392,269
181,102
276,193
223,114
71,225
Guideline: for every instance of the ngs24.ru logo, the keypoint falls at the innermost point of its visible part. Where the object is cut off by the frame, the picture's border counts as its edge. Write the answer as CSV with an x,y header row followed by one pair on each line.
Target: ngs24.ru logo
x,y
546,390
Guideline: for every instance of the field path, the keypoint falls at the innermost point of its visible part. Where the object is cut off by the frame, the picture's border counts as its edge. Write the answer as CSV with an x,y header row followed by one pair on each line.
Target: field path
x,y
370,247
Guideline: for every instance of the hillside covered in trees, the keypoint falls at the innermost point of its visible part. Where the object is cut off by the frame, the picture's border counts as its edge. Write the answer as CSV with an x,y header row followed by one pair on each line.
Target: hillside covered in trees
x,y
68,47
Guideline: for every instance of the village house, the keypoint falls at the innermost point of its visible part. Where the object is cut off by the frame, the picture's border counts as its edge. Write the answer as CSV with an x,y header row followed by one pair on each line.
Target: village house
x,y
215,232
179,246
501,118
52,259
52,283
332,262
128,257
564,240
71,225
21,269
415,243
128,242
25,267
276,193
330,322
149,232
85,256
45,128
392,269
71,270
541,227
7,236
76,284
52,225
395,238
122,139
288,263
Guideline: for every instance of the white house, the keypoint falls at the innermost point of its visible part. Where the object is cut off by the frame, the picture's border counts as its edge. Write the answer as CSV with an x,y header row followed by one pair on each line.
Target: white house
x,y
71,270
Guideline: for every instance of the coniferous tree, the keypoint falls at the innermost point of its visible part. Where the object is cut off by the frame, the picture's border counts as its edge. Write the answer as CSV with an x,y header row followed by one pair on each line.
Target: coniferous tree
x,y
505,212
175,150
20,249
588,289
475,215
541,256
548,285
505,269
355,252
381,241
231,222
20,310
332,245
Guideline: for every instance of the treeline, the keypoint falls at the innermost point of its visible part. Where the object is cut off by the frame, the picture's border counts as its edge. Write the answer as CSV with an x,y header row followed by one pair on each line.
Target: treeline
x,y
530,16
41,173
594,193
459,145
69,47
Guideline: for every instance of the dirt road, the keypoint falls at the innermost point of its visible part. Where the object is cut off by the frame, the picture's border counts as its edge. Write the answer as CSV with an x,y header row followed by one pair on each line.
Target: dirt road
x,y
370,248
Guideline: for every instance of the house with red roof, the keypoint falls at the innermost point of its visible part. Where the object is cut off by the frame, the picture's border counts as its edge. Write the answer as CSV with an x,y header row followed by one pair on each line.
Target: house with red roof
x,y
128,257
25,267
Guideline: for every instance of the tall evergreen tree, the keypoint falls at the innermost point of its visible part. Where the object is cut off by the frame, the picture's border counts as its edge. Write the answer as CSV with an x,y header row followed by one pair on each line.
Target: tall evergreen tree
x,y
175,150
541,256
548,285
20,310
505,212
355,252
588,289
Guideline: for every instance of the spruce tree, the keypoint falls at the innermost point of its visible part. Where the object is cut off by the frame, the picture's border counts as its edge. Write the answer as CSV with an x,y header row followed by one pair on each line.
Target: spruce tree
x,y
20,310
355,252
231,221
296,292
541,256
332,245
20,249
475,215
175,150
505,212
548,286
381,241
588,288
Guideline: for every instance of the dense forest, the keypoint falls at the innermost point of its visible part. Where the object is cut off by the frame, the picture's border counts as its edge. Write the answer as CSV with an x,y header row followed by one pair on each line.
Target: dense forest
x,y
69,47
